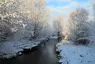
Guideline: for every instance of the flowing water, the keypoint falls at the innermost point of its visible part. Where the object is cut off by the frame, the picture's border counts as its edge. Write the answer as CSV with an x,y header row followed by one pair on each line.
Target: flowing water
x,y
44,55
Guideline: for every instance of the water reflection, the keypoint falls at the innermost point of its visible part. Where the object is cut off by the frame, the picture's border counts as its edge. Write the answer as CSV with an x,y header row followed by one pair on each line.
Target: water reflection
x,y
44,55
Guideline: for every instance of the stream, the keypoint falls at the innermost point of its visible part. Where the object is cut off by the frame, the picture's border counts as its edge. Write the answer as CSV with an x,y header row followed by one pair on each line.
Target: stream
x,y
45,54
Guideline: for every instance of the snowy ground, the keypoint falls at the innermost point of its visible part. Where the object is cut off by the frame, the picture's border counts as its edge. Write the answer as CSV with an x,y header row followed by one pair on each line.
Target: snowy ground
x,y
13,48
75,54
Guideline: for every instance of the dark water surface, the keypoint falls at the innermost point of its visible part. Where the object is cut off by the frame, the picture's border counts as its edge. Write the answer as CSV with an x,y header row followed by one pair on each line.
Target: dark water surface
x,y
44,55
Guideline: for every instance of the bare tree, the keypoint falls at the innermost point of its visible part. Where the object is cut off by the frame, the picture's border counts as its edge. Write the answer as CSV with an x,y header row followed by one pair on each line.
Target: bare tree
x,y
26,17
77,24
10,17
93,8
38,15
58,23
58,26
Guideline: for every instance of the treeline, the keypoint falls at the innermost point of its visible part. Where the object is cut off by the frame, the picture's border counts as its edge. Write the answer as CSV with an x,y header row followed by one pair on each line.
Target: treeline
x,y
30,19
79,26
23,19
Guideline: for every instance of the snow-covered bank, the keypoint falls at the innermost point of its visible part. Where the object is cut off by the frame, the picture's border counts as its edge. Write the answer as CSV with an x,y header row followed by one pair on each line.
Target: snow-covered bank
x,y
53,37
75,54
12,48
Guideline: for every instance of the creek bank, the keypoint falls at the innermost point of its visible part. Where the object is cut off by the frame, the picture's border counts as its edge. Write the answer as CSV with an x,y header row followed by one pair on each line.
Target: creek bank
x,y
68,53
12,49
45,54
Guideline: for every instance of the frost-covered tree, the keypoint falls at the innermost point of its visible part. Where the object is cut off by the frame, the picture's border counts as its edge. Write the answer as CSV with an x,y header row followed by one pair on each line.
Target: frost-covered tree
x,y
58,23
94,9
58,26
77,26
25,18
10,17
92,21
38,15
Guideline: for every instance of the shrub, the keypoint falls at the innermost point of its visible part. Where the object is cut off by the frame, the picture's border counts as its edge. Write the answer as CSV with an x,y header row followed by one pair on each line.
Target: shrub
x,y
83,41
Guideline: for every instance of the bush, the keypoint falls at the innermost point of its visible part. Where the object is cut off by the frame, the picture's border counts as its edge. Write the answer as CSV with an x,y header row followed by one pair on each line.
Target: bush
x,y
83,41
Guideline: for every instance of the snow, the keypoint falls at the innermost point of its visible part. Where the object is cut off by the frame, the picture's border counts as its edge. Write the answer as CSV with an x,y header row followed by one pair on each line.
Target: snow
x,y
53,37
76,54
12,48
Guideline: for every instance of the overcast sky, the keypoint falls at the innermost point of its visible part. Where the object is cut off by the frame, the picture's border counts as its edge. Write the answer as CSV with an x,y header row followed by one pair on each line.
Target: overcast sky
x,y
64,7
